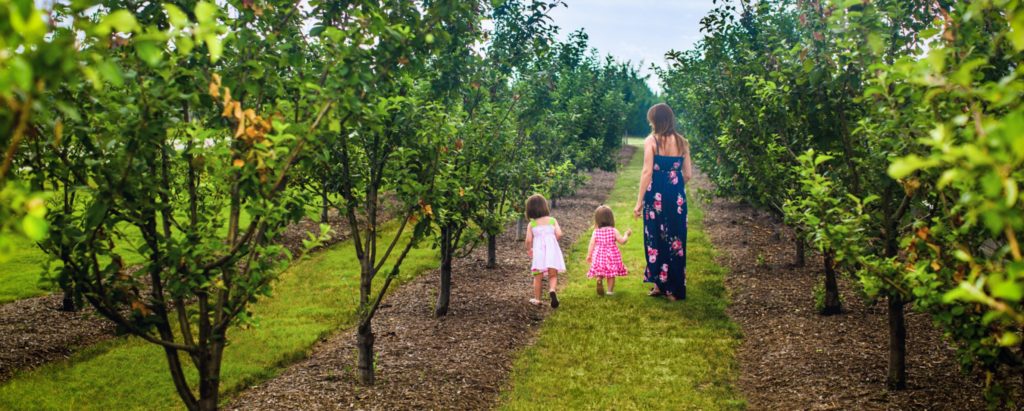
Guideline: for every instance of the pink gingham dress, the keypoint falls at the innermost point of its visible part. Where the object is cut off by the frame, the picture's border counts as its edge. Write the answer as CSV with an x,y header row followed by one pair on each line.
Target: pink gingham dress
x,y
606,260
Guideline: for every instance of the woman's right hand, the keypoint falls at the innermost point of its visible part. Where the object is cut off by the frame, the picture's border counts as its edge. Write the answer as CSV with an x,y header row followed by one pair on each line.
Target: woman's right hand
x,y
638,209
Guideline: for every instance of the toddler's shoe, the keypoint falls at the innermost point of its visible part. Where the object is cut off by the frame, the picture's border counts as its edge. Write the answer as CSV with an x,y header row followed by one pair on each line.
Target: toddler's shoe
x,y
610,293
554,299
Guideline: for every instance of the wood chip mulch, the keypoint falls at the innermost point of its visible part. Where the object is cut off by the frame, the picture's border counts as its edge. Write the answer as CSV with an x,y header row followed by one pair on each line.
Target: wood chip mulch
x,y
792,358
33,331
460,361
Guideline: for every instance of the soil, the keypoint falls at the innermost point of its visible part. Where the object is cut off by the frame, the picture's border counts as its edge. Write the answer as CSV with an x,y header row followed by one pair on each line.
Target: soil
x,y
793,358
33,331
459,361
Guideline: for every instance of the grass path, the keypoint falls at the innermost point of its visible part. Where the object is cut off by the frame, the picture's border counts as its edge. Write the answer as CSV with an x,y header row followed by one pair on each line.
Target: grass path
x,y
630,351
315,296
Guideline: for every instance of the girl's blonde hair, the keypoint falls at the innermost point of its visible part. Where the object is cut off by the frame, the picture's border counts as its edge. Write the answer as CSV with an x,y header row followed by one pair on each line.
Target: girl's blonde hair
x,y
603,217
663,124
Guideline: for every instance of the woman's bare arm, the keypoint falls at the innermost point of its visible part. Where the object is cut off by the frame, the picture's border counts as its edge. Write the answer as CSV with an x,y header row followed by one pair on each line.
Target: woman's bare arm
x,y
645,175
687,167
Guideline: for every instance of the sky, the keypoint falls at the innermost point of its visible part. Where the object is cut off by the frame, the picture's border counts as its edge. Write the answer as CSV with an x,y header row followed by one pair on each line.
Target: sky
x,y
635,30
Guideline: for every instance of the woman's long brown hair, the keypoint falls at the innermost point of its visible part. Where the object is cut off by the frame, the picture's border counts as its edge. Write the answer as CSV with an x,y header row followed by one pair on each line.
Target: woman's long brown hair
x,y
663,124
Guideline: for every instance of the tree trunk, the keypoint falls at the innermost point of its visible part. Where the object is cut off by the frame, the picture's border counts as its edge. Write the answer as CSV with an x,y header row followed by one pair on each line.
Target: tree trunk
x,y
897,378
68,302
364,333
492,250
178,377
209,381
800,259
554,202
832,303
324,206
364,343
444,292
519,229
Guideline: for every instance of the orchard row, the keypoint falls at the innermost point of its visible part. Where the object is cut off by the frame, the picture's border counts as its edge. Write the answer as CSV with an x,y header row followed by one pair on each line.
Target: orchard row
x,y
888,133
205,130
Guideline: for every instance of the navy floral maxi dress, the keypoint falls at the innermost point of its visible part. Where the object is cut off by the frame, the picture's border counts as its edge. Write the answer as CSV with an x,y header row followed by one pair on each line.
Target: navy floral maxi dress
x,y
664,212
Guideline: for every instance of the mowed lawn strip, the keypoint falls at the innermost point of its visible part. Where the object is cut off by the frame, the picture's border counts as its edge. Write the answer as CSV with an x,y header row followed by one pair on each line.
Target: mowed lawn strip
x,y
22,274
631,351
315,296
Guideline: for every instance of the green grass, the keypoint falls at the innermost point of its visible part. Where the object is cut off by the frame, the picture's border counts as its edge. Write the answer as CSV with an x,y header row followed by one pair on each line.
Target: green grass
x,y
314,297
630,351
22,273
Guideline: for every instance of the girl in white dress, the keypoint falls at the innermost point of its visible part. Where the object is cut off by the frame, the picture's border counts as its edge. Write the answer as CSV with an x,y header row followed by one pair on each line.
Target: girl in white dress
x,y
542,247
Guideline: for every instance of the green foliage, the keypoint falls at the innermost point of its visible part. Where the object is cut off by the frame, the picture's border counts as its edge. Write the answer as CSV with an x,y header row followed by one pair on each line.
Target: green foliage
x,y
927,91
143,160
309,303
157,151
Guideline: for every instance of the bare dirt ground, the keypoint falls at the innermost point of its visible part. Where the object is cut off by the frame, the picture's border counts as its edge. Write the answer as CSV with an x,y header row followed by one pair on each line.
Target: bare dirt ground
x,y
792,358
456,362
33,331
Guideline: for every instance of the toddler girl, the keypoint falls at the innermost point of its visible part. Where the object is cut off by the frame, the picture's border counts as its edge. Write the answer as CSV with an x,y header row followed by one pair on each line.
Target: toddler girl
x,y
542,246
603,255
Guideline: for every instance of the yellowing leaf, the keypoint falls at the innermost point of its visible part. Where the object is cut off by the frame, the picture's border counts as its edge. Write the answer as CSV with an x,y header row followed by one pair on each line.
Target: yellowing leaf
x,y
141,308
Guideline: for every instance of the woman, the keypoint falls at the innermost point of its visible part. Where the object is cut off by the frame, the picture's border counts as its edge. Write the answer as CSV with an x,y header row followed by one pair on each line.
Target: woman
x,y
662,203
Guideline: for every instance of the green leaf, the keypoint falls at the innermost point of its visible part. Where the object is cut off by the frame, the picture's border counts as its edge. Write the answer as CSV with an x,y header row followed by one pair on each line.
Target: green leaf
x,y
111,73
216,47
177,17
937,60
22,72
965,292
149,52
184,45
1012,193
32,28
962,256
34,227
205,12
122,21
905,166
1009,339
1008,291
876,43
1017,34
948,177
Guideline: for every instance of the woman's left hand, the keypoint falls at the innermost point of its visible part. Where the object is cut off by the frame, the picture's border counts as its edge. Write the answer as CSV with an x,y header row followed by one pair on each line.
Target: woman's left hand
x,y
637,209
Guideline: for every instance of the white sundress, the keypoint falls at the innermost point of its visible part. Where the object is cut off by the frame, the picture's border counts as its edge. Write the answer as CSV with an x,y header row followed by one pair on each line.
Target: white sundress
x,y
546,252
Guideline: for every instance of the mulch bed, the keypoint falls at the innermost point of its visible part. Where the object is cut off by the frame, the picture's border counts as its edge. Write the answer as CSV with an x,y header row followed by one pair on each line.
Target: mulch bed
x,y
33,331
793,358
460,361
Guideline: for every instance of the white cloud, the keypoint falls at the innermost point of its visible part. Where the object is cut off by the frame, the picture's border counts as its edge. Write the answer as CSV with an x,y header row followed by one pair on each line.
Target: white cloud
x,y
637,30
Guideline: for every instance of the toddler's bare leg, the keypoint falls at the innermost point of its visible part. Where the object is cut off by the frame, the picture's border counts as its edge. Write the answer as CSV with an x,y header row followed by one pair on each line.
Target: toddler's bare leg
x,y
611,284
552,279
537,283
